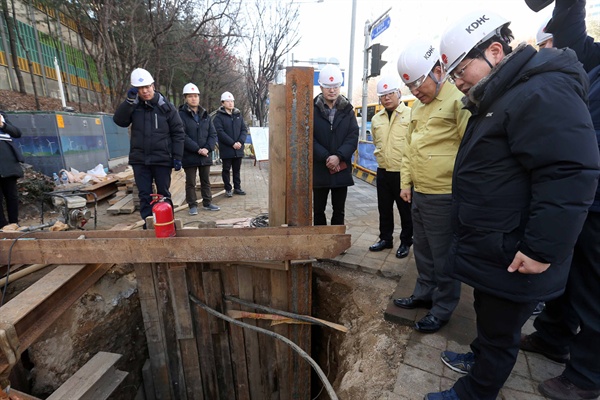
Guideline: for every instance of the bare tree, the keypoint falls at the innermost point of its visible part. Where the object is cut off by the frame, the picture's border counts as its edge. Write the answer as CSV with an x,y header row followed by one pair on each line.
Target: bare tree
x,y
274,33
12,38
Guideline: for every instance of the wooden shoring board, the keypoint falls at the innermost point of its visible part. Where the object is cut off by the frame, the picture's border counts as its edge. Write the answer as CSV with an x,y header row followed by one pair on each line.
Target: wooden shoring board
x,y
38,306
229,277
204,339
241,244
213,290
154,332
299,127
102,189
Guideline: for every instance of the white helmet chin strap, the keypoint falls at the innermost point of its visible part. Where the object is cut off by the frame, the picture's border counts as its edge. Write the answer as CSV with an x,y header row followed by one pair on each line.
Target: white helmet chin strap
x,y
438,83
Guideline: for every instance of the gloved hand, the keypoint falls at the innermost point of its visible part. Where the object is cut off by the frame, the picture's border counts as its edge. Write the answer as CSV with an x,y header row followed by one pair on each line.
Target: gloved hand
x,y
177,164
132,95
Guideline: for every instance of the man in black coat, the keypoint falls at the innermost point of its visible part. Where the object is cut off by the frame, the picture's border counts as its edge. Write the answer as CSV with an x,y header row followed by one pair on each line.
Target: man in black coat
x,y
568,330
10,170
335,139
200,141
524,177
231,133
156,142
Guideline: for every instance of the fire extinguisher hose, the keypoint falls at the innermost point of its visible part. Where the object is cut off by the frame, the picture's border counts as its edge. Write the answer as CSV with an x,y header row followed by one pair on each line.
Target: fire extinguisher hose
x,y
164,223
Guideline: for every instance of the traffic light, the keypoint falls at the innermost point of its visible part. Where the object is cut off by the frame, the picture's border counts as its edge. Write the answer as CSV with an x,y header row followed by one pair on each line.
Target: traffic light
x,y
376,62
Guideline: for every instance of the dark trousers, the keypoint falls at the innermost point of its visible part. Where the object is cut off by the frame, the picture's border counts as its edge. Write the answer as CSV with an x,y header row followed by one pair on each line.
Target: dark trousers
x,y
496,346
338,203
578,309
388,193
432,239
10,195
236,165
190,185
144,176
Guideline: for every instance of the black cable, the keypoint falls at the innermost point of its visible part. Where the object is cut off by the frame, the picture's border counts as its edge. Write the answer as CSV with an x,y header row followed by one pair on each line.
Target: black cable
x,y
260,221
293,345
8,265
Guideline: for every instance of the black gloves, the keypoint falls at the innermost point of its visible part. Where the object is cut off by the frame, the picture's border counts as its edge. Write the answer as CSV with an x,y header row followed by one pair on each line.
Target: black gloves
x,y
177,165
132,95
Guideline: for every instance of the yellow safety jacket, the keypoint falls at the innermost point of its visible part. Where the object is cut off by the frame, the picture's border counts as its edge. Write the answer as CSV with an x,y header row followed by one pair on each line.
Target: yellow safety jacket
x,y
434,134
389,137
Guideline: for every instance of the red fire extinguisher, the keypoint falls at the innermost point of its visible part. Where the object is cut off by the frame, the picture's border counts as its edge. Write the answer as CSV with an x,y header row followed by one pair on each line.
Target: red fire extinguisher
x,y
164,221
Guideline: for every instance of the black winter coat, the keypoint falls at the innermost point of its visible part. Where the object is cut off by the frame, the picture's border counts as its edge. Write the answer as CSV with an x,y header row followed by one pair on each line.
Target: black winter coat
x,y
568,28
156,131
525,174
339,138
10,155
230,129
198,135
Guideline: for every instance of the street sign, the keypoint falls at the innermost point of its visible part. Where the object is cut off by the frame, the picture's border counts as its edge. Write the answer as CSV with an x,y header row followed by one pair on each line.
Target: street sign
x,y
380,27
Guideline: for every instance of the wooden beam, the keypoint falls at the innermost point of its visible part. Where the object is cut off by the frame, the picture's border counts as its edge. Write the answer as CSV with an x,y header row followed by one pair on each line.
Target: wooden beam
x,y
96,380
308,244
38,306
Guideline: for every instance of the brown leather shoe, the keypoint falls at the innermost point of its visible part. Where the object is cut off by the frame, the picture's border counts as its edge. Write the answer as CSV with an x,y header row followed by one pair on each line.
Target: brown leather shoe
x,y
561,388
534,344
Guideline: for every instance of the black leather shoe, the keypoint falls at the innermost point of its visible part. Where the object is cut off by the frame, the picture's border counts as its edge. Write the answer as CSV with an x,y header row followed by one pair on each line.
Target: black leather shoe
x,y
382,244
534,344
429,324
411,302
402,251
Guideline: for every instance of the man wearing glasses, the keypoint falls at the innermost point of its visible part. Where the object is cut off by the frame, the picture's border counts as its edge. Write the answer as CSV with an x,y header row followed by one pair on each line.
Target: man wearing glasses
x,y
524,177
335,139
389,128
437,123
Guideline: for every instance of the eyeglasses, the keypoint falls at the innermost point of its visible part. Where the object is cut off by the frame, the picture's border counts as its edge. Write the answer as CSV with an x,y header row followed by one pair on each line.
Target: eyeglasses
x,y
416,84
387,95
459,74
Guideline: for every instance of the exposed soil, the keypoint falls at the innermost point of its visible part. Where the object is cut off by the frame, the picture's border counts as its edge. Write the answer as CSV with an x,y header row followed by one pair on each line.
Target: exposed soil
x,y
15,101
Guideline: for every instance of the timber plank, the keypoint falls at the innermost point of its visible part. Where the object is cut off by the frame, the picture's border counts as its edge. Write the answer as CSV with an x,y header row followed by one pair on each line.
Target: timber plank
x,y
203,337
213,290
166,315
236,333
176,249
154,334
257,384
277,155
283,353
268,353
123,206
96,380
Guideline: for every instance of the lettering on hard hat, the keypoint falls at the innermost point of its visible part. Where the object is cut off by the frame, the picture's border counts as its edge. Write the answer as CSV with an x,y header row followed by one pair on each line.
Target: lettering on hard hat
x,y
406,77
444,59
429,52
476,24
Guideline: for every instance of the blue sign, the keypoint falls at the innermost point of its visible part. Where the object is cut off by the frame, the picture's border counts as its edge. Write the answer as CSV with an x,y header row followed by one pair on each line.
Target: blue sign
x,y
380,27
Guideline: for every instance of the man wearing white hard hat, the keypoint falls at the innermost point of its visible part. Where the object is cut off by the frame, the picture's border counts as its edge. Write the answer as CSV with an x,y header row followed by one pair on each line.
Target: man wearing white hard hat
x,y
524,177
389,128
437,123
200,141
231,133
335,139
156,142
543,39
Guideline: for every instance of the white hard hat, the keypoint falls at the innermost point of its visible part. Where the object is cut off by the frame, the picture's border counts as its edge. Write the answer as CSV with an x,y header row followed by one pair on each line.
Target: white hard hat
x,y
466,33
331,76
388,84
140,77
416,61
542,35
227,96
190,88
